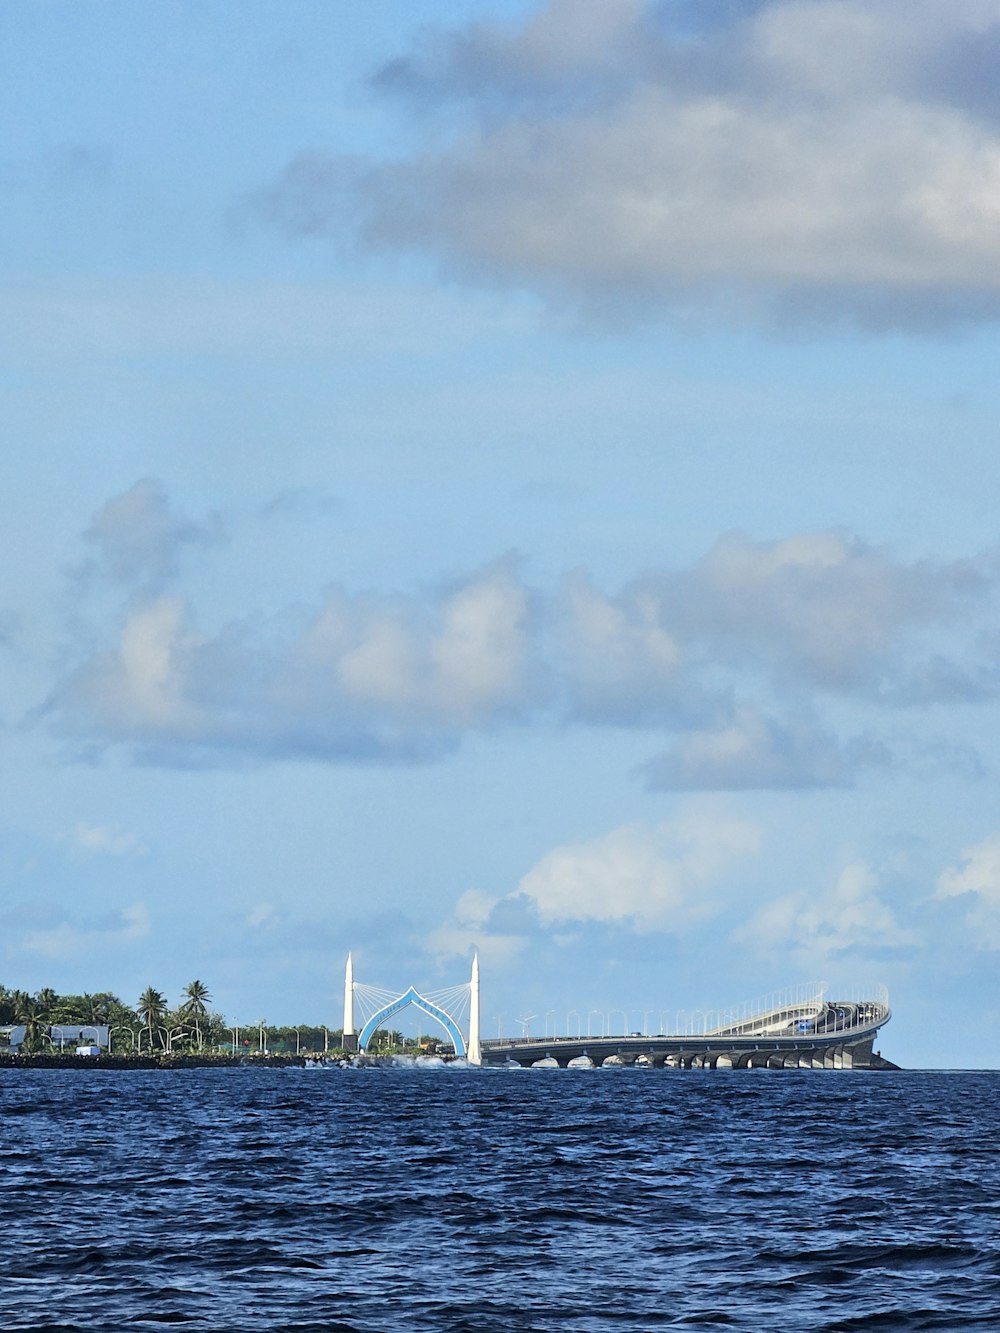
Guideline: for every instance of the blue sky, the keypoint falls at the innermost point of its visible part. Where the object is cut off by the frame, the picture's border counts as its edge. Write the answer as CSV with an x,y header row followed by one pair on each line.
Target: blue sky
x,y
518,476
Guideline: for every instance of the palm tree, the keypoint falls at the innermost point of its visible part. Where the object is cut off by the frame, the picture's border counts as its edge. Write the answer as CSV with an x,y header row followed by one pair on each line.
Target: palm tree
x,y
150,1009
33,1016
102,1005
194,1006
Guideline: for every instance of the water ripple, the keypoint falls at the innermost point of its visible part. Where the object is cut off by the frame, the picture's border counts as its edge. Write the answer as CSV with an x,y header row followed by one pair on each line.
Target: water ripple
x,y
377,1203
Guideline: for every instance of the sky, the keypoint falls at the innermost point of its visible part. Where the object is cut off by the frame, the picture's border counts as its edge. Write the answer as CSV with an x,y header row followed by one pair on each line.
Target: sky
x,y
512,476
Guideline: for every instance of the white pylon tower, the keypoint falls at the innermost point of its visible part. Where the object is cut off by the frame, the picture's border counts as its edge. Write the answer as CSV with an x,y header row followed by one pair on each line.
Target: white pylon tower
x,y
475,1052
349,1000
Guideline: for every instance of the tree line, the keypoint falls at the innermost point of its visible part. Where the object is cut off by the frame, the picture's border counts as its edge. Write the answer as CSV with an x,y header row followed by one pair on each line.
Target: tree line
x,y
153,1025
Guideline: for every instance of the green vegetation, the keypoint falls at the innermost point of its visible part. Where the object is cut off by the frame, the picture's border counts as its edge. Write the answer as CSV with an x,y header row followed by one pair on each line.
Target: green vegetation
x,y
154,1028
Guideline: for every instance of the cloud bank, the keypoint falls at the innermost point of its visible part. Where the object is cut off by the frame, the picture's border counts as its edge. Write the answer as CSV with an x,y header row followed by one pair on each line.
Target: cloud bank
x,y
765,664
804,160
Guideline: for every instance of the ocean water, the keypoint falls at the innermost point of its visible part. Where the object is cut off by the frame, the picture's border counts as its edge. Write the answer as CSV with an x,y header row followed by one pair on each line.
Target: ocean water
x,y
370,1201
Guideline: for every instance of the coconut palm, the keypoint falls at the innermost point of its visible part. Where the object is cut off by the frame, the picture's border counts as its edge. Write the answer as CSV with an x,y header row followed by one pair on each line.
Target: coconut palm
x,y
36,1030
150,1009
196,998
194,1006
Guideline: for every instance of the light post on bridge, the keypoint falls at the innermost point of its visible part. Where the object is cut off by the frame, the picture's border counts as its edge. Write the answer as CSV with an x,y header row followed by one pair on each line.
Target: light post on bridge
x,y
524,1024
550,1013
600,1015
573,1013
624,1018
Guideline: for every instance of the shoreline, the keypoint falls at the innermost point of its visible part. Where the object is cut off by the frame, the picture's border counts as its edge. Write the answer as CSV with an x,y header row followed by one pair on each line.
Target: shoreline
x,y
160,1061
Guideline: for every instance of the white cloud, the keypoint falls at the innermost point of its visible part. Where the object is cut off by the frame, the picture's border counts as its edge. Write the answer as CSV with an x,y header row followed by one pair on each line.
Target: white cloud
x,y
814,927
619,651
661,878
977,879
807,157
75,939
468,929
641,878
98,839
138,688
476,657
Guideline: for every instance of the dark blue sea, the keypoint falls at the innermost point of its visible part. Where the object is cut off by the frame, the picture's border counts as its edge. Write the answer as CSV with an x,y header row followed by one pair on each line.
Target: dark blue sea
x,y
474,1201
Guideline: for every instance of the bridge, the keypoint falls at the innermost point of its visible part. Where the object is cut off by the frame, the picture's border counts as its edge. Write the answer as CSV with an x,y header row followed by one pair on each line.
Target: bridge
x,y
797,1029
814,1033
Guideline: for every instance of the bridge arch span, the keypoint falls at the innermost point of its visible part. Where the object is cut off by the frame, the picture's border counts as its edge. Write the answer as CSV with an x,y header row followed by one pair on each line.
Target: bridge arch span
x,y
411,996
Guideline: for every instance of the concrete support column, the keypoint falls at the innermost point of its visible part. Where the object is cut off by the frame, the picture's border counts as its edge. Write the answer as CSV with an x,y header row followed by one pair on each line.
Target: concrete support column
x,y
475,1052
348,1000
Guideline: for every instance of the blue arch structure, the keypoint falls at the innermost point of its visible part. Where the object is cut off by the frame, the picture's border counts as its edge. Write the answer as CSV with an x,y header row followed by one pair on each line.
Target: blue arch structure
x,y
419,1002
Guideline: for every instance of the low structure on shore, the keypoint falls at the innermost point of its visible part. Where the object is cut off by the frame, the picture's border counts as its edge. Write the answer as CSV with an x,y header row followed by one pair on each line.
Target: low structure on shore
x,y
65,1036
